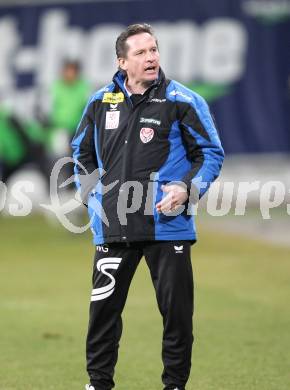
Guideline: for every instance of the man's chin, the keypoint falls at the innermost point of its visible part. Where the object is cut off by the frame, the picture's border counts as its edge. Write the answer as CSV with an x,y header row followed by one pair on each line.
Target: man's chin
x,y
149,79
152,76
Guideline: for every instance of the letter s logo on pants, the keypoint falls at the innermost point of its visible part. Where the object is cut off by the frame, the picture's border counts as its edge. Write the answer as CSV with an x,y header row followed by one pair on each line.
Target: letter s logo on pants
x,y
102,265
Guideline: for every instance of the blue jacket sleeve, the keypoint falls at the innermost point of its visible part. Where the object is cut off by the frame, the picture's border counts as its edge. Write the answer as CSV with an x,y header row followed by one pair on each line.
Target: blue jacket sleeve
x,y
202,143
84,155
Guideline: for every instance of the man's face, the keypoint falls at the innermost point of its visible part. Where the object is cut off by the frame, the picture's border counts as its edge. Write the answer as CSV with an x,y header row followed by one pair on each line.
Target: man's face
x,y
142,61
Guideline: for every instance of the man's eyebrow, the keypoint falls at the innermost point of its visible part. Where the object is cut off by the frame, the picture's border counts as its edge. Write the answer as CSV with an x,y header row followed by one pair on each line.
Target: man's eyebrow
x,y
143,48
138,50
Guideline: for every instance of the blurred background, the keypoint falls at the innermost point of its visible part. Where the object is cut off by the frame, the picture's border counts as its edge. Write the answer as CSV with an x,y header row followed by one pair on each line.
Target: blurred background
x,y
53,56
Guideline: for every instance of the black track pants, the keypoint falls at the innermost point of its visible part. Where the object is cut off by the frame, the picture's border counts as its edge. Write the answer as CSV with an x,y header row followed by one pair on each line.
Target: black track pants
x,y
171,273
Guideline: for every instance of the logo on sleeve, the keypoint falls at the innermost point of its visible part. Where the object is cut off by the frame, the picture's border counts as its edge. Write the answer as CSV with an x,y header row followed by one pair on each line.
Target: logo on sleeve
x,y
179,93
146,134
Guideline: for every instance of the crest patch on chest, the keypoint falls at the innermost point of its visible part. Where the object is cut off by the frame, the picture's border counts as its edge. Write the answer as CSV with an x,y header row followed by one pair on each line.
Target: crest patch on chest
x,y
146,134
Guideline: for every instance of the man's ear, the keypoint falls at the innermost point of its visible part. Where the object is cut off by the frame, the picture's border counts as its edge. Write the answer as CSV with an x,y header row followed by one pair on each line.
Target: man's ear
x,y
122,63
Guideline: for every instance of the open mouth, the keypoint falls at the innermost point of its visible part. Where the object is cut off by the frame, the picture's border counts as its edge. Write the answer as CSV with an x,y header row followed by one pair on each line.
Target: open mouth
x,y
150,69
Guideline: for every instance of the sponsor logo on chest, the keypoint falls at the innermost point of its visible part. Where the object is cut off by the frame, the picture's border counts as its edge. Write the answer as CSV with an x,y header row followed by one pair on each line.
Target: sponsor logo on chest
x,y
113,107
151,121
113,97
155,100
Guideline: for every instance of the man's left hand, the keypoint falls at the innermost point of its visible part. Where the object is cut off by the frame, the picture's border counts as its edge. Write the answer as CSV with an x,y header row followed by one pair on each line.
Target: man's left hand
x,y
176,197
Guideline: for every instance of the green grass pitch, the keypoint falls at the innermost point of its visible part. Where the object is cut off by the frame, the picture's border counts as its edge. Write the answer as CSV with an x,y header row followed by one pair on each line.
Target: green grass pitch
x,y
241,321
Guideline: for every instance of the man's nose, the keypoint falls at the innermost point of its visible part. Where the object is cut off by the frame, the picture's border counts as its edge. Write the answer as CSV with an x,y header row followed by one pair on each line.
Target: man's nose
x,y
150,56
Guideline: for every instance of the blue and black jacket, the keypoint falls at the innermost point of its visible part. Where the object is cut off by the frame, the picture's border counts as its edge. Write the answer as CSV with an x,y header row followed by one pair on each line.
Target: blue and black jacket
x,y
126,148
